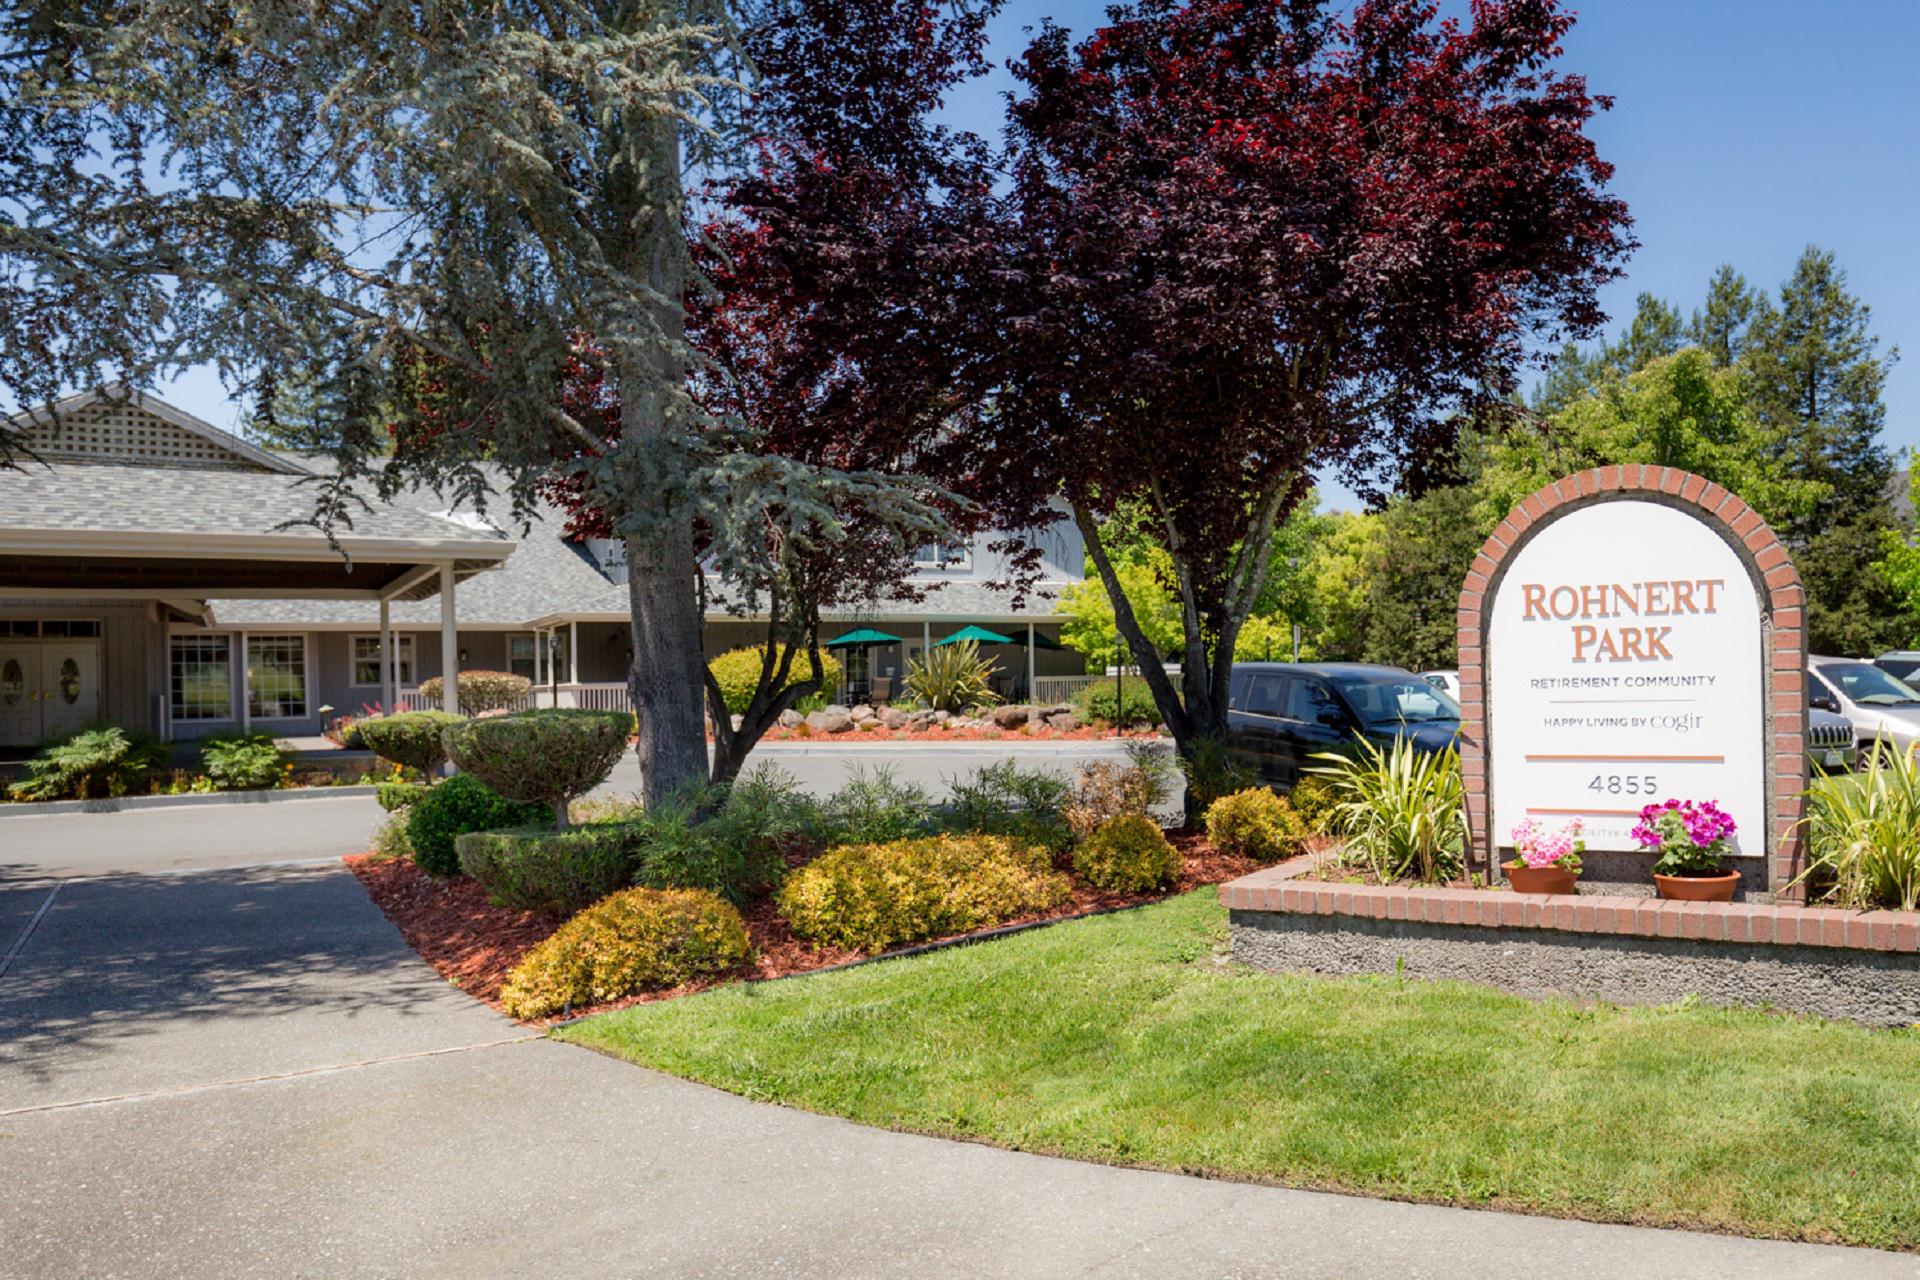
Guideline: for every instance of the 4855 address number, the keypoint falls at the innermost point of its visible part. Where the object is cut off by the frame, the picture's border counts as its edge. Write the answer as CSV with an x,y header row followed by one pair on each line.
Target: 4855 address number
x,y
1624,784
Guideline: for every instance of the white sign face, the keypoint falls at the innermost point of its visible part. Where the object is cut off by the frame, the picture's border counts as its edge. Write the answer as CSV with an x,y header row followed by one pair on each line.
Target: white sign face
x,y
1624,667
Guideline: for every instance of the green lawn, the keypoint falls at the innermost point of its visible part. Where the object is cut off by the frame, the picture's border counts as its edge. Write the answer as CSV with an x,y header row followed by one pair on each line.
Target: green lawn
x,y
1125,1038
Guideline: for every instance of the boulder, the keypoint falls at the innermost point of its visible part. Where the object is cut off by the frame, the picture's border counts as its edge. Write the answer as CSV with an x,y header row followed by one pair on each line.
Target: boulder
x,y
791,719
894,718
830,720
861,712
1057,709
921,719
1064,721
941,717
1011,717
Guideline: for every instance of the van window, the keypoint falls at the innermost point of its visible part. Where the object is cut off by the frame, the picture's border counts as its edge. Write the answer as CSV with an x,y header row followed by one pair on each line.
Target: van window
x,y
1263,694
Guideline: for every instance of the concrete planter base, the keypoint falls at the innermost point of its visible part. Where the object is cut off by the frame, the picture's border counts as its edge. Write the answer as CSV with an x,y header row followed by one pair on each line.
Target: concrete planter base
x,y
1861,966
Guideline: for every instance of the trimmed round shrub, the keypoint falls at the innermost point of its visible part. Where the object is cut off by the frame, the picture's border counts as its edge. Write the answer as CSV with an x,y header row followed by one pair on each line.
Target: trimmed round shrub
x,y
411,739
1315,800
1255,823
738,673
459,804
634,940
481,691
1128,855
541,757
556,872
874,896
395,796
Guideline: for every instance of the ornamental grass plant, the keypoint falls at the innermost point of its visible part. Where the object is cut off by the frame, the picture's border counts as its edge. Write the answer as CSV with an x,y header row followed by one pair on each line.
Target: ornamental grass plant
x,y
1403,810
1863,834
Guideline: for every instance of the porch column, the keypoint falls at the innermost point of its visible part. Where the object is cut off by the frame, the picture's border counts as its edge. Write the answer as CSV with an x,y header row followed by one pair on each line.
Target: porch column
x,y
449,645
926,639
539,676
1030,662
573,653
386,657
246,685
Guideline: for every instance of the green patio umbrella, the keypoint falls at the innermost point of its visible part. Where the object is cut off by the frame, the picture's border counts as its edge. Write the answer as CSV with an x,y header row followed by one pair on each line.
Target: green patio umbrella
x,y
862,638
979,635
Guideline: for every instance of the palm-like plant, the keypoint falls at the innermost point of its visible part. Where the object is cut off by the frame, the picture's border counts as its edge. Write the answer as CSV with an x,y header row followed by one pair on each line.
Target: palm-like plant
x,y
950,678
1863,833
1403,811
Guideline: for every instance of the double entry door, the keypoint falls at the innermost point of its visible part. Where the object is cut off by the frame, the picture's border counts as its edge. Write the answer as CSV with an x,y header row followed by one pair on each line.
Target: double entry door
x,y
48,689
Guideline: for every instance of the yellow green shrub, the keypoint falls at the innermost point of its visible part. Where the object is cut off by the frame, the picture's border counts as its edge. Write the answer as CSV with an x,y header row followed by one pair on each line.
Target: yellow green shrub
x,y
1317,804
1129,854
1256,824
875,896
634,940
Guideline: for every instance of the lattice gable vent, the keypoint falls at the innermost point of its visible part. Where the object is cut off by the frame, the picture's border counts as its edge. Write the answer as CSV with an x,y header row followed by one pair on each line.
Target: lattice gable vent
x,y
125,432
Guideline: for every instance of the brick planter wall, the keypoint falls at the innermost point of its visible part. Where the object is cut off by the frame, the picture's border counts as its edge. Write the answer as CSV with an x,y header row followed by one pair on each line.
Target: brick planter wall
x,y
1859,965
1782,611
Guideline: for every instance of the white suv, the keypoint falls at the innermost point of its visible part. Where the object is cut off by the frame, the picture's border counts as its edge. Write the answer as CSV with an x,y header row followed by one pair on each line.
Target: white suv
x,y
1877,704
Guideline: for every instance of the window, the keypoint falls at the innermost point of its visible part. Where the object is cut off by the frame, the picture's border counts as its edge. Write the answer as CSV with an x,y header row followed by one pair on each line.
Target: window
x,y
521,651
201,677
366,660
1263,694
277,677
1307,699
943,555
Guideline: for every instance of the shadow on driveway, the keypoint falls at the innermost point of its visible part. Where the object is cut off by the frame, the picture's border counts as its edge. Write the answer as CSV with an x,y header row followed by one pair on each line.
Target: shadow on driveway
x,y
131,983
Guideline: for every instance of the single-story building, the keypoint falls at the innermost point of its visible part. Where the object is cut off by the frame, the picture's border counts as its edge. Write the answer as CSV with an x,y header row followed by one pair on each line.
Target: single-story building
x,y
156,572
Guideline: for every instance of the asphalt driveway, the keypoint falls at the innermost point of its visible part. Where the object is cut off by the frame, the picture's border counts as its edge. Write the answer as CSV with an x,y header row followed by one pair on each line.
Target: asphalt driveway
x,y
243,1071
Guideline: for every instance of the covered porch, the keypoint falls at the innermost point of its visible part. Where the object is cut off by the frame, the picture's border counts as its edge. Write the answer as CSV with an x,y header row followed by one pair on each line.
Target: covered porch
x,y
110,625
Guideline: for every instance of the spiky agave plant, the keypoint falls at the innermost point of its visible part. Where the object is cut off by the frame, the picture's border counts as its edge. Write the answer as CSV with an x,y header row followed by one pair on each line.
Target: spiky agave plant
x,y
1863,833
951,678
1403,811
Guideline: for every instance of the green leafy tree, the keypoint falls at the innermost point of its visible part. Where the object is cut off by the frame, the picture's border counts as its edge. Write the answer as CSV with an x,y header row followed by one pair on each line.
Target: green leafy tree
x,y
1424,549
1681,410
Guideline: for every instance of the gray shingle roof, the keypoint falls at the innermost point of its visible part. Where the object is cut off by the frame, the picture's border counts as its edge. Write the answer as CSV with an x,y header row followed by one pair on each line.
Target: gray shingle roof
x,y
957,601
125,499
545,574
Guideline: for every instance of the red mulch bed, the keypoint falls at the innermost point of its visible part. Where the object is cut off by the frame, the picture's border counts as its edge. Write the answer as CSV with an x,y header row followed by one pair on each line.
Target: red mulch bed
x,y
475,945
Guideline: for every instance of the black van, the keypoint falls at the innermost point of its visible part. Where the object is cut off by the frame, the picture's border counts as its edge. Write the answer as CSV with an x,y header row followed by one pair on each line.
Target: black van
x,y
1282,714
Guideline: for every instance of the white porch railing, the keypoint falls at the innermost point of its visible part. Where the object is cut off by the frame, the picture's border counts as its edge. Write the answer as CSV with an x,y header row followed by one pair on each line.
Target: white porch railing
x,y
1051,689
593,697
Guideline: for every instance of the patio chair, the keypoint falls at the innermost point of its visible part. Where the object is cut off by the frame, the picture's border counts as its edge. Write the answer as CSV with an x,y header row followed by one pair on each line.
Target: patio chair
x,y
882,690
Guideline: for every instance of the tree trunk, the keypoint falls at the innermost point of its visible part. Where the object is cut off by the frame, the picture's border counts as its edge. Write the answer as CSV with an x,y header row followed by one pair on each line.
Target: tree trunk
x,y
667,680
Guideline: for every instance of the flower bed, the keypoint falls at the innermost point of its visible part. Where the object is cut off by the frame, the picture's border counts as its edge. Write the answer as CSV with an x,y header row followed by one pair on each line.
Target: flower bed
x,y
1859,965
475,945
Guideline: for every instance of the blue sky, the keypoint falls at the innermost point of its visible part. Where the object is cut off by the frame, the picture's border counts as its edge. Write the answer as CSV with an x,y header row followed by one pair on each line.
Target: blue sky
x,y
1742,130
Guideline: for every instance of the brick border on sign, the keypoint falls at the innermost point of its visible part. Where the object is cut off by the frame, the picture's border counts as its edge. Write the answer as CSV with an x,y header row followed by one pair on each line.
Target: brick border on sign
x,y
1782,616
1285,890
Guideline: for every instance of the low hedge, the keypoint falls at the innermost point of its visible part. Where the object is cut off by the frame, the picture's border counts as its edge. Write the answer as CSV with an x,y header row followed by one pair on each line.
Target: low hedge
x,y
1130,854
1096,702
1255,823
874,896
634,940
395,796
555,872
411,738
460,804
481,691
541,757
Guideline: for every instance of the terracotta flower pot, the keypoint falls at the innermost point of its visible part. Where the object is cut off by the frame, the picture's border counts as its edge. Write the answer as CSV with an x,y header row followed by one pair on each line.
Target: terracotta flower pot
x,y
1526,879
1698,888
